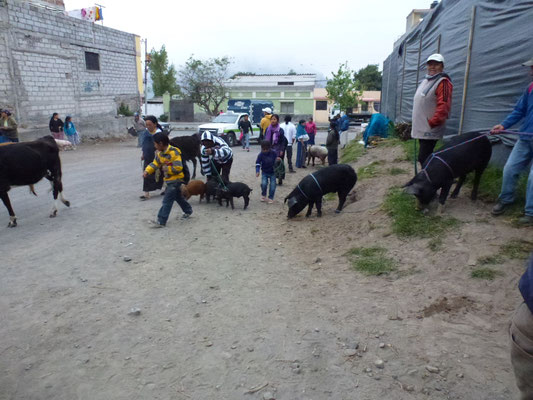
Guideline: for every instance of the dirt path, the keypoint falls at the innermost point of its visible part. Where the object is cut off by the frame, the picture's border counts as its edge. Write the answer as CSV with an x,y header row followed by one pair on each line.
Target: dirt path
x,y
233,301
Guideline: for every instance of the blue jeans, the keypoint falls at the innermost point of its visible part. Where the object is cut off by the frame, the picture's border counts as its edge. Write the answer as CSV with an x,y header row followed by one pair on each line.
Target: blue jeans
x,y
264,183
519,159
172,193
246,141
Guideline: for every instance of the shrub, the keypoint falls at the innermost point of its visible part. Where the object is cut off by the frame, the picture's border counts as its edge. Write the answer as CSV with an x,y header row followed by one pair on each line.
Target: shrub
x,y
124,109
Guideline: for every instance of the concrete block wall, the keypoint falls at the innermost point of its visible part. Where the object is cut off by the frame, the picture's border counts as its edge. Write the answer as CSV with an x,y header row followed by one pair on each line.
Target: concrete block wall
x,y
42,53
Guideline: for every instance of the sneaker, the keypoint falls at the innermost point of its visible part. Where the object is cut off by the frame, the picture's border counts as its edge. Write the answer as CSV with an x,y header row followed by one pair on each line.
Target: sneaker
x,y
292,171
526,220
270,201
499,208
156,225
185,216
248,150
263,199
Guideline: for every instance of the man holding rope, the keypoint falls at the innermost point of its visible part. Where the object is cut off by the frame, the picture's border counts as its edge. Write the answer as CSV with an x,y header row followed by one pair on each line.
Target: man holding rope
x,y
521,156
215,152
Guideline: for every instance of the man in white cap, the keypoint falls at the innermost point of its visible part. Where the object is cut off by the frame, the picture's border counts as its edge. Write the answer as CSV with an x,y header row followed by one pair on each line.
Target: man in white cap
x,y
431,106
265,122
521,156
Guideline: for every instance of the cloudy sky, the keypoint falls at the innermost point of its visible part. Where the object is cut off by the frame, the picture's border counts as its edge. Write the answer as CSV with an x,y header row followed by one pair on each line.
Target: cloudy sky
x,y
270,36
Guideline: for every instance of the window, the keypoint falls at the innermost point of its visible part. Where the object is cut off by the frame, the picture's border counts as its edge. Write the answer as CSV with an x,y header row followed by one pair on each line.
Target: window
x,y
364,106
377,106
285,83
287,108
321,105
92,61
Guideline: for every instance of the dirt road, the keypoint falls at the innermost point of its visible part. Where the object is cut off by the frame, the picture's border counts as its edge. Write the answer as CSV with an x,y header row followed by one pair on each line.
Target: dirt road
x,y
242,304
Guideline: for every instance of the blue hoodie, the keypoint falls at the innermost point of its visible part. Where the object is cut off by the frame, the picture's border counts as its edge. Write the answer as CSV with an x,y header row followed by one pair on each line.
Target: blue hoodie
x,y
523,109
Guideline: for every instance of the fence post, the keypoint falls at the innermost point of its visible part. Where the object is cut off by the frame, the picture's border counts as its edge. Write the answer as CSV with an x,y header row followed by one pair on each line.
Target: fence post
x,y
467,68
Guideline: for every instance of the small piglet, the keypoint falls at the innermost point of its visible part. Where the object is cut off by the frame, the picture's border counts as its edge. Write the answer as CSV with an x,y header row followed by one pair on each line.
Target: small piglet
x,y
211,187
234,189
317,151
193,188
338,178
461,155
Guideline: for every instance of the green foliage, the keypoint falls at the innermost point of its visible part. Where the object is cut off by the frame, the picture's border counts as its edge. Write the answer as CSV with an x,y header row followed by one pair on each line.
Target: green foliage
x,y
369,77
292,72
369,171
342,88
352,152
408,222
242,74
124,109
202,81
397,171
163,76
490,260
491,184
330,196
518,249
485,273
163,118
371,260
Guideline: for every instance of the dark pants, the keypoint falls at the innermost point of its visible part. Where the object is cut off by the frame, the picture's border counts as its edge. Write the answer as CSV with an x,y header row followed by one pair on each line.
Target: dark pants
x,y
288,153
333,155
426,148
172,194
224,169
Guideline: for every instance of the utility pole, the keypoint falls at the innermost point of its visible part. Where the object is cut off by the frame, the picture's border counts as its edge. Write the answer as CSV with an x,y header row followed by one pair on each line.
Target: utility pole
x,y
145,76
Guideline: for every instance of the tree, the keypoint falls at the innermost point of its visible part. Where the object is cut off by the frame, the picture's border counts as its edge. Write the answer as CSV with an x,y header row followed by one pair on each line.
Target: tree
x,y
369,77
163,76
203,82
342,88
292,72
242,74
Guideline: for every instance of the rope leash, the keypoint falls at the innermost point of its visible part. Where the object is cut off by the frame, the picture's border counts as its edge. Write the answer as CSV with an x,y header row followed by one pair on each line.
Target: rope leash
x,y
220,180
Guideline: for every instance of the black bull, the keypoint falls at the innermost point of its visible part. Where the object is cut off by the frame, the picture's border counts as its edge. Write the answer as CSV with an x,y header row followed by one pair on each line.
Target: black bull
x,y
27,163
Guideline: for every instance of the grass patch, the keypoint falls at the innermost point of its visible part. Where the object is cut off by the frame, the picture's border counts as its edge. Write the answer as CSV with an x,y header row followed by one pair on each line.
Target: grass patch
x,y
409,222
371,260
517,249
435,244
485,273
352,152
491,184
490,260
396,171
369,171
330,196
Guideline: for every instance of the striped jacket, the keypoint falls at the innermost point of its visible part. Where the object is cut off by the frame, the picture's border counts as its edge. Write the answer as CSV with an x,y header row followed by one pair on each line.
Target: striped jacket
x,y
170,162
222,154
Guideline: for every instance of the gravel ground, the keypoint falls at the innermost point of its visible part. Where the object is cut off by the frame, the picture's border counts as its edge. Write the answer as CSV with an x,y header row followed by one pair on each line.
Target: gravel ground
x,y
240,304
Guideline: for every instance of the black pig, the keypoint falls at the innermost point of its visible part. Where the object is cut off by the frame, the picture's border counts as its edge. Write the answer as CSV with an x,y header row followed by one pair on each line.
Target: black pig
x,y
211,189
338,178
461,155
234,189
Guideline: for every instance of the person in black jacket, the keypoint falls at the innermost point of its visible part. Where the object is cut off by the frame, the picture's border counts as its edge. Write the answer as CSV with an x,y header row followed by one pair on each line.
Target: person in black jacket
x,y
332,143
56,127
521,335
246,129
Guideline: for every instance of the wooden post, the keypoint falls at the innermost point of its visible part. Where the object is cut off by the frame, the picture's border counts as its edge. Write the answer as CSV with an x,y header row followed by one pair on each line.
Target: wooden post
x,y
403,75
467,68
418,62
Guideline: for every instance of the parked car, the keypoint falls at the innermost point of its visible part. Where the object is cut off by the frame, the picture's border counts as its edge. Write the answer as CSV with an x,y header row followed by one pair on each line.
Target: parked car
x,y
227,127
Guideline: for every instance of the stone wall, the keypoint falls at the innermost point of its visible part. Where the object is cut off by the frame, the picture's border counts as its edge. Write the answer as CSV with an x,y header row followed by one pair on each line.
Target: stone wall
x,y
42,55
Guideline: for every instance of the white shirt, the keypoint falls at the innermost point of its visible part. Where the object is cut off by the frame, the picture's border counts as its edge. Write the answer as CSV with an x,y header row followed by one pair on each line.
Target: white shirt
x,y
290,132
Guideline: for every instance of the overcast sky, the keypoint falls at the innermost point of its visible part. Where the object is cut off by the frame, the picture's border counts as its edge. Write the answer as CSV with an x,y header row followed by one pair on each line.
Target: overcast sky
x,y
270,36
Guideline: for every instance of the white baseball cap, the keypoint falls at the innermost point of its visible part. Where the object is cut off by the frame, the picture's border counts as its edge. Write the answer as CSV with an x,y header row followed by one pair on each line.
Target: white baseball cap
x,y
528,63
267,110
436,57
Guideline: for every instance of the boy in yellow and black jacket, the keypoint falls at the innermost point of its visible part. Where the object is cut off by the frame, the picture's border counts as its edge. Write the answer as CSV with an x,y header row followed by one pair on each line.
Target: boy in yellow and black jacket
x,y
169,160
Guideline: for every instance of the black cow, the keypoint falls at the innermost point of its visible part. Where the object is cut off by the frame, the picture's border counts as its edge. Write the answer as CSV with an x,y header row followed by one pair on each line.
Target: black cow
x,y
190,148
26,164
461,155
338,178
